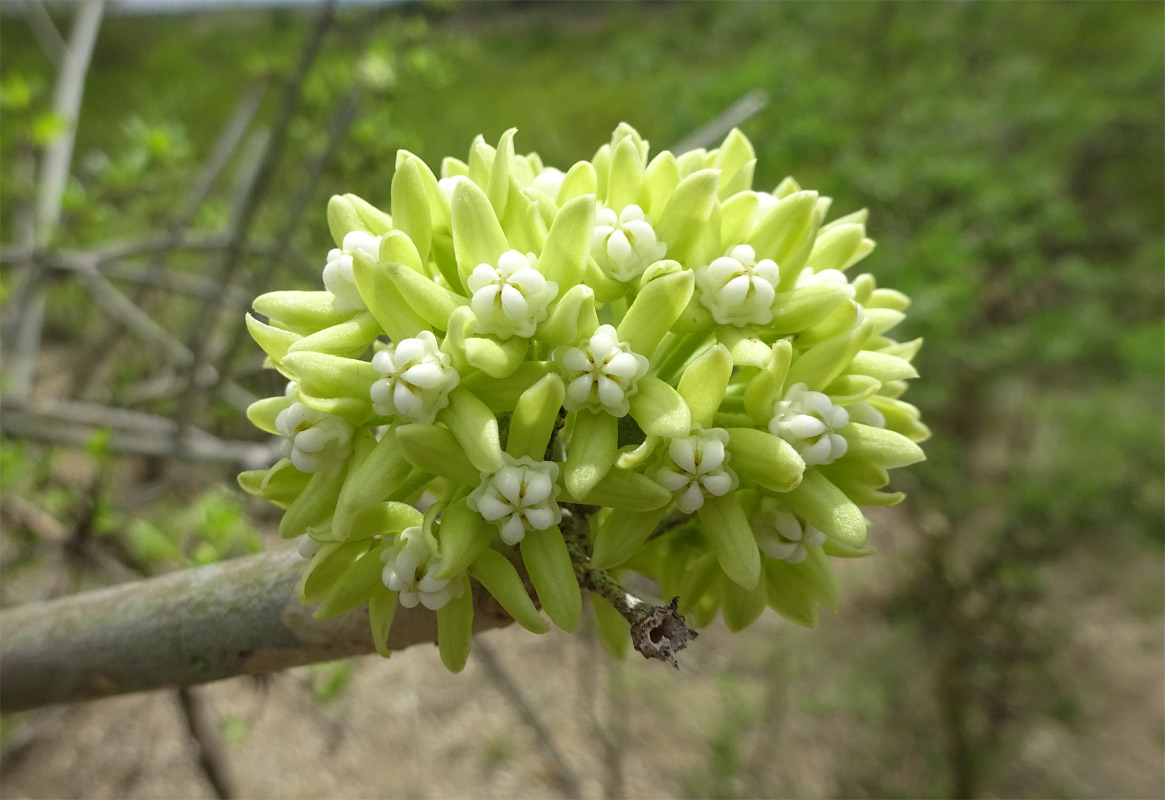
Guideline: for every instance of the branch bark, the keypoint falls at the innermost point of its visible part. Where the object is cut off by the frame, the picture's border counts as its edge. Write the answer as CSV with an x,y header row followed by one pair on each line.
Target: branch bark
x,y
238,617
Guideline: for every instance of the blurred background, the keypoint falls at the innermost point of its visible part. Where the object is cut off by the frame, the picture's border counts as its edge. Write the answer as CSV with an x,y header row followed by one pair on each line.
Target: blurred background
x,y
1007,638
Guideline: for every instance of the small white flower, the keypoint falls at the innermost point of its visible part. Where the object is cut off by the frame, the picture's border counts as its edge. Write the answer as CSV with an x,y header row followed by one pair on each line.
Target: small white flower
x,y
697,465
417,379
521,496
511,298
307,546
809,421
407,567
315,441
338,276
738,289
549,181
781,535
624,245
601,373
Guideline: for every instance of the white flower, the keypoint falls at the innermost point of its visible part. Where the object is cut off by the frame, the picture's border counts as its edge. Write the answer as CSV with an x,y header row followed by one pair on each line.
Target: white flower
x,y
549,181
417,379
809,421
624,245
601,373
781,535
338,276
407,567
307,546
511,298
521,496
738,289
697,465
315,441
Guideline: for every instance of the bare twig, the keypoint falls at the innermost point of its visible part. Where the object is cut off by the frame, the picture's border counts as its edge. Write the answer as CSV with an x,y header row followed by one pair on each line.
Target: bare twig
x,y
28,300
211,758
60,426
252,191
237,617
735,115
497,675
45,31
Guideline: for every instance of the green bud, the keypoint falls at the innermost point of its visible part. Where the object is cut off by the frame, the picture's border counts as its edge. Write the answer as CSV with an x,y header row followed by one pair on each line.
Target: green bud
x,y
301,312
826,508
548,564
655,309
463,537
535,415
455,630
704,382
499,577
592,452
726,526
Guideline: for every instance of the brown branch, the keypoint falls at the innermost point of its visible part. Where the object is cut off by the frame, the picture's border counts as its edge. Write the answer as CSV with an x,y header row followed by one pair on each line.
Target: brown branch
x,y
237,617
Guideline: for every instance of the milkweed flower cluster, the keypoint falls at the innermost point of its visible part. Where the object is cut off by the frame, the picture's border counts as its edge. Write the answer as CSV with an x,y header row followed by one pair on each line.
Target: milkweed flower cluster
x,y
648,338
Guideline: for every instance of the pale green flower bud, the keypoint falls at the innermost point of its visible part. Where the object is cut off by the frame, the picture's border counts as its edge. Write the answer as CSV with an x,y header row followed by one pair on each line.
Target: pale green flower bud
x,y
697,465
408,570
338,277
417,379
602,373
738,289
780,534
521,496
810,422
510,299
315,441
625,244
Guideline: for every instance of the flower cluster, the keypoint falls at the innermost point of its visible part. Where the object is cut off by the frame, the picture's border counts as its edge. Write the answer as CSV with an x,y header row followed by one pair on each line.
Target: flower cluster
x,y
641,346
